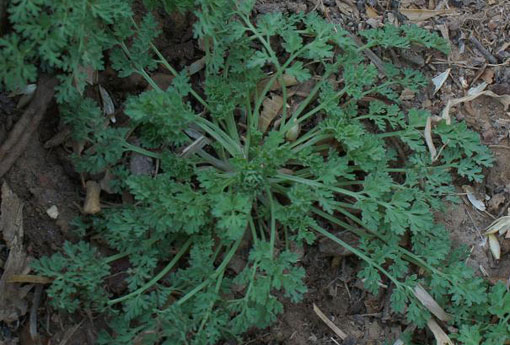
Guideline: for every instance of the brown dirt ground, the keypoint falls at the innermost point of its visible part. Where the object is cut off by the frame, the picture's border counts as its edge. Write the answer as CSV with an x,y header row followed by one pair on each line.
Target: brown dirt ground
x,y
44,177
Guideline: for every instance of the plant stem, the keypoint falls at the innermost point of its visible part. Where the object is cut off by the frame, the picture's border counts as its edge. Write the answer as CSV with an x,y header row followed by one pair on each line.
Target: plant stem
x,y
157,277
357,253
272,237
140,150
217,133
313,183
213,276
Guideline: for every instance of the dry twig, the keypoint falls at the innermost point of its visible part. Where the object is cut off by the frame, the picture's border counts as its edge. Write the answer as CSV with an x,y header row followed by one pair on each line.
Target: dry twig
x,y
23,130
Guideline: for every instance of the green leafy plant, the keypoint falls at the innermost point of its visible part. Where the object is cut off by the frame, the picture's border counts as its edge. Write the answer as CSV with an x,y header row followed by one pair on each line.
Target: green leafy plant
x,y
343,156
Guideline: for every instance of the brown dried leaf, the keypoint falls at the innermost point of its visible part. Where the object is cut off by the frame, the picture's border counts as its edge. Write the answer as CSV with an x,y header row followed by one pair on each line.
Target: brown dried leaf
x,y
271,108
496,201
494,246
428,301
441,337
288,81
12,296
419,15
488,76
347,8
372,13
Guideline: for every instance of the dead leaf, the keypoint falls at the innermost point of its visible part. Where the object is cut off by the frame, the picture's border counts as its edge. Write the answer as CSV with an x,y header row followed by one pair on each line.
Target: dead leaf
x,y
12,296
428,301
419,15
92,203
329,323
108,106
503,99
196,66
372,13
496,201
271,108
441,337
288,81
439,80
500,225
445,32
488,76
347,8
494,246
91,75
470,193
407,94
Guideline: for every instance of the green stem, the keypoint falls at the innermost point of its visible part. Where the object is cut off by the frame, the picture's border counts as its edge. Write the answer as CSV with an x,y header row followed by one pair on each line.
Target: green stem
x,y
214,131
357,253
134,148
156,278
313,183
391,134
312,142
272,237
213,276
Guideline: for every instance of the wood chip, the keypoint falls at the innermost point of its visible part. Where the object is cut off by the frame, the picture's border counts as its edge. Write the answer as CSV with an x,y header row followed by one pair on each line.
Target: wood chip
x,y
419,15
92,203
13,303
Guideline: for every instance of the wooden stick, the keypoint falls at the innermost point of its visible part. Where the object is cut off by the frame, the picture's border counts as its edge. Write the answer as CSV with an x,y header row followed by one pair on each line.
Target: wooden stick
x,y
24,129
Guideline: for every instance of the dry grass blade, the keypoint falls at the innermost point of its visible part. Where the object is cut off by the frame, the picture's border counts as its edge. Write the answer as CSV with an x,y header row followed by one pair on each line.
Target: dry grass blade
x,y
329,323
503,99
418,15
428,139
426,299
441,337
28,278
500,225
